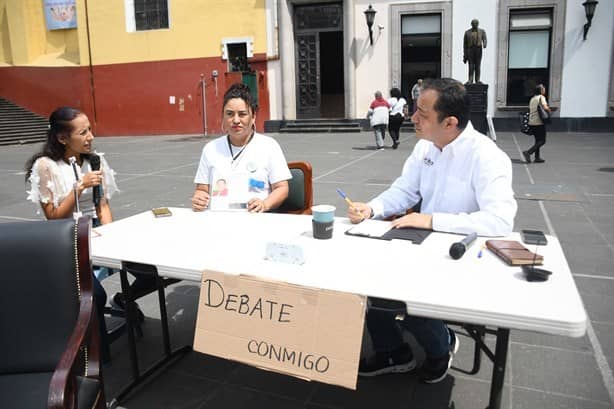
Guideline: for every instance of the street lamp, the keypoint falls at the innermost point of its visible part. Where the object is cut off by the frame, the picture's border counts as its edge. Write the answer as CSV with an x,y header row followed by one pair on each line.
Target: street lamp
x,y
370,15
589,9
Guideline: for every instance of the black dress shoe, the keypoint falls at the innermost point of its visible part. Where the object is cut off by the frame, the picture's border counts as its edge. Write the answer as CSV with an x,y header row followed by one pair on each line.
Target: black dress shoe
x,y
527,156
395,145
539,160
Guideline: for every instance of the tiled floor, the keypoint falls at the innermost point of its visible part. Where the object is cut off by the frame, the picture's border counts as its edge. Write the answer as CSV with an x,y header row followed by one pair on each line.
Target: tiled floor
x,y
544,371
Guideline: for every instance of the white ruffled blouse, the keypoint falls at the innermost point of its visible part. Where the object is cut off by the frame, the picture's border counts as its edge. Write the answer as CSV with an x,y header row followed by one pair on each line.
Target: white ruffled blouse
x,y
51,181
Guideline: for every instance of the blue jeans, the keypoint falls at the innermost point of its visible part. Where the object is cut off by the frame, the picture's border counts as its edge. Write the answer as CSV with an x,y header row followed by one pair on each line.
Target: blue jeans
x,y
386,334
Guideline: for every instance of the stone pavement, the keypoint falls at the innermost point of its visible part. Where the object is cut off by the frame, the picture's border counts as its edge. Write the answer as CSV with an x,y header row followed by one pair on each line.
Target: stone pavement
x,y
570,196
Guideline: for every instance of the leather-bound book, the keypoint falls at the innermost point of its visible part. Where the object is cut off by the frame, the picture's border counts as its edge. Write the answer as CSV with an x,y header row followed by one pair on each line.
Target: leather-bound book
x,y
514,253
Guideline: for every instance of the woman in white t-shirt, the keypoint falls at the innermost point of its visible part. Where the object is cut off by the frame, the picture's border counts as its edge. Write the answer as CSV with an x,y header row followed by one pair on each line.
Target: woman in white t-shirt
x,y
251,165
396,116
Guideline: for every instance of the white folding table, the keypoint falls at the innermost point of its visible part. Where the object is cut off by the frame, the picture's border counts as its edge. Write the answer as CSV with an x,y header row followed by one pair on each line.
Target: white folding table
x,y
482,291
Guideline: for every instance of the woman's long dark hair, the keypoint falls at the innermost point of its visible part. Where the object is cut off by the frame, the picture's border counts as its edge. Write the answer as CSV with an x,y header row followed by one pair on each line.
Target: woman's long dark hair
x,y
59,126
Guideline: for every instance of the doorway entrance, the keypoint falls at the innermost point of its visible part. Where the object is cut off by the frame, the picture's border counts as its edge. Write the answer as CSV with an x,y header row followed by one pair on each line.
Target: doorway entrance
x,y
318,36
421,49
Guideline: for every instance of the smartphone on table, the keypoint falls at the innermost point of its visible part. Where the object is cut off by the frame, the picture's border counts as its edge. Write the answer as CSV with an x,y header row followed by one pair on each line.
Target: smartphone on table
x,y
161,211
533,237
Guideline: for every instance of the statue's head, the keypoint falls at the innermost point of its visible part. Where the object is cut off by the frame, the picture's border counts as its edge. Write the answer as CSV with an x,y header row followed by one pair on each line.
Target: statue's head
x,y
475,23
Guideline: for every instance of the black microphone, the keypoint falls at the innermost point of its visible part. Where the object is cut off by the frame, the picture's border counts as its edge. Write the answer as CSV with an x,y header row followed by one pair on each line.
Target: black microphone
x,y
458,249
96,190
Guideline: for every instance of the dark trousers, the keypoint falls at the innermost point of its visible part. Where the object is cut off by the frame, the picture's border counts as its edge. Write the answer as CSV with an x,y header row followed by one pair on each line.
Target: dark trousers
x,y
100,298
386,331
539,132
394,125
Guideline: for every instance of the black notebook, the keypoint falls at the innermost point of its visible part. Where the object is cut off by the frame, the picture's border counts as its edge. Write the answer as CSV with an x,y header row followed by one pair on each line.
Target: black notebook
x,y
377,230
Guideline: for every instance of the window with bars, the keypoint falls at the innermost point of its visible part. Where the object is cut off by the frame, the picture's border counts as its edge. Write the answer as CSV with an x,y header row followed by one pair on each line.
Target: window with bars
x,y
150,14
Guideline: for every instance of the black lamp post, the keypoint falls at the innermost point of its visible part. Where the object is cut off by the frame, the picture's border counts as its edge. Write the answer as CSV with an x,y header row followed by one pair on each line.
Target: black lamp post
x,y
370,15
589,9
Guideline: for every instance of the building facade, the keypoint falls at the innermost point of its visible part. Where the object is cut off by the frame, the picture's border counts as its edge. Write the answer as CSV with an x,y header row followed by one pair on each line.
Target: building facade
x,y
139,67
529,42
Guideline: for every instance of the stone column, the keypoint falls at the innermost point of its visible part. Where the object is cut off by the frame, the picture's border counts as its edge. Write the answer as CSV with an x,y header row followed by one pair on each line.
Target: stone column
x,y
287,58
349,58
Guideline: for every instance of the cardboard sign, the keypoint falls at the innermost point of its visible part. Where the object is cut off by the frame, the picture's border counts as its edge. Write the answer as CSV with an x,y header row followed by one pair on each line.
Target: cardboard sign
x,y
305,332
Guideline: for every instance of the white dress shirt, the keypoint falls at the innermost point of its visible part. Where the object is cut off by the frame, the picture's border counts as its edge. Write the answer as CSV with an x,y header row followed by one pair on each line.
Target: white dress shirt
x,y
466,186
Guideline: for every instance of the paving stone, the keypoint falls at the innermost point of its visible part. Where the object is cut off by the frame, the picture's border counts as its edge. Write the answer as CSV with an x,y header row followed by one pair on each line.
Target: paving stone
x,y
531,399
557,371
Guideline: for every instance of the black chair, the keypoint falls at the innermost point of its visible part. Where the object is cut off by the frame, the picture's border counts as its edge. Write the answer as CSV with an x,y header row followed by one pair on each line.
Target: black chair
x,y
49,340
300,195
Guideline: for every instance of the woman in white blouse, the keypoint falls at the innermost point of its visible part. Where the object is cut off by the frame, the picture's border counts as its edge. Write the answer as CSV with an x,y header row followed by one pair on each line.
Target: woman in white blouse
x,y
52,177
53,180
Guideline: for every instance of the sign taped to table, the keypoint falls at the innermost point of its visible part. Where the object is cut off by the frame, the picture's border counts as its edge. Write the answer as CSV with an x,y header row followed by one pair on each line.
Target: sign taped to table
x,y
305,332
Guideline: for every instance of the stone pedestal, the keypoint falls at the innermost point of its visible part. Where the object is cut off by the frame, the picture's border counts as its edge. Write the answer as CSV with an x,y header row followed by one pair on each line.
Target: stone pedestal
x,y
479,106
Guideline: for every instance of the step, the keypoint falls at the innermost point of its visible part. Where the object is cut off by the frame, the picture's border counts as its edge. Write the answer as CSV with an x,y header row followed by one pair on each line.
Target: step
x,y
320,125
20,126
22,118
316,130
20,141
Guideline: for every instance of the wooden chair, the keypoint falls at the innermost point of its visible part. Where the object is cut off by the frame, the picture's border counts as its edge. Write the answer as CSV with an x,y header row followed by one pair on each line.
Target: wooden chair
x,y
49,340
300,195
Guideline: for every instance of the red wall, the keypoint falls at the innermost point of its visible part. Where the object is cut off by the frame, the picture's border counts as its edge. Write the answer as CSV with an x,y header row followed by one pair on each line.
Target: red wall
x,y
133,99
43,89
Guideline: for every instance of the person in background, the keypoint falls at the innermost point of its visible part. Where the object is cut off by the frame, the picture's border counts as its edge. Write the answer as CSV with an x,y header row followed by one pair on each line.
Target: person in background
x,y
395,118
538,128
378,115
465,184
415,93
243,151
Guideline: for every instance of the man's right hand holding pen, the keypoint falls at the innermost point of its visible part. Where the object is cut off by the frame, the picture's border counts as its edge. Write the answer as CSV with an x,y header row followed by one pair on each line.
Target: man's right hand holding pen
x,y
358,212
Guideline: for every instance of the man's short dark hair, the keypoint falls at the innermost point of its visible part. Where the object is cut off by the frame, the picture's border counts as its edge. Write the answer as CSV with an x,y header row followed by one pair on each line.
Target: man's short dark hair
x,y
452,99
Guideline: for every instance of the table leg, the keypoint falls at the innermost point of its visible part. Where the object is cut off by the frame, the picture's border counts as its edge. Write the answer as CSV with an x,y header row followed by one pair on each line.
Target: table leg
x,y
498,371
169,355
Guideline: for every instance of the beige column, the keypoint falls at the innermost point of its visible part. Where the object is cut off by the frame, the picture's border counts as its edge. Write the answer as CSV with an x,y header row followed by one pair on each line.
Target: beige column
x,y
349,59
286,44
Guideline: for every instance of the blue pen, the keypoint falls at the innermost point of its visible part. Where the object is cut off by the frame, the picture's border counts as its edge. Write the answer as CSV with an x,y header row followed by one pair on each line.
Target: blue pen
x,y
344,196
348,201
481,250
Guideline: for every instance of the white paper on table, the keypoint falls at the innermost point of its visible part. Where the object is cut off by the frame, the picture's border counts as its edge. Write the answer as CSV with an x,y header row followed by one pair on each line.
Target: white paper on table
x,y
371,228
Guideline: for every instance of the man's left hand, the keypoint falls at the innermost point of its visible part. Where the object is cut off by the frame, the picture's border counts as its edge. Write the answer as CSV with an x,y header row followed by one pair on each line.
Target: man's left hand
x,y
418,220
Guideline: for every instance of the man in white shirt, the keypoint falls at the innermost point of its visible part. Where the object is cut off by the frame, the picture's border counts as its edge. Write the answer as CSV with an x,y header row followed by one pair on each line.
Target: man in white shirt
x,y
465,184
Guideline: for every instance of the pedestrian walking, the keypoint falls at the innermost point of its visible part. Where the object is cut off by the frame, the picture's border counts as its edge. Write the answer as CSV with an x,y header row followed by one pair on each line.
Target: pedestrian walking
x,y
415,93
378,116
536,123
395,118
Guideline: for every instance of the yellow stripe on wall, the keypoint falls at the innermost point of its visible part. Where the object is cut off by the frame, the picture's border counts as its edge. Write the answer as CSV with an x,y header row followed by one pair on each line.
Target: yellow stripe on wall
x,y
197,28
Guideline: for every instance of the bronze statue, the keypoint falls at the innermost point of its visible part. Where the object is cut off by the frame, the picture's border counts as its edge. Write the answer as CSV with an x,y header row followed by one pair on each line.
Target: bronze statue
x,y
474,41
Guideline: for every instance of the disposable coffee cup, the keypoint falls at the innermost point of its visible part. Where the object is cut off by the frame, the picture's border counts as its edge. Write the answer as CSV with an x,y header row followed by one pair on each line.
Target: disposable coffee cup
x,y
322,230
323,220
323,213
